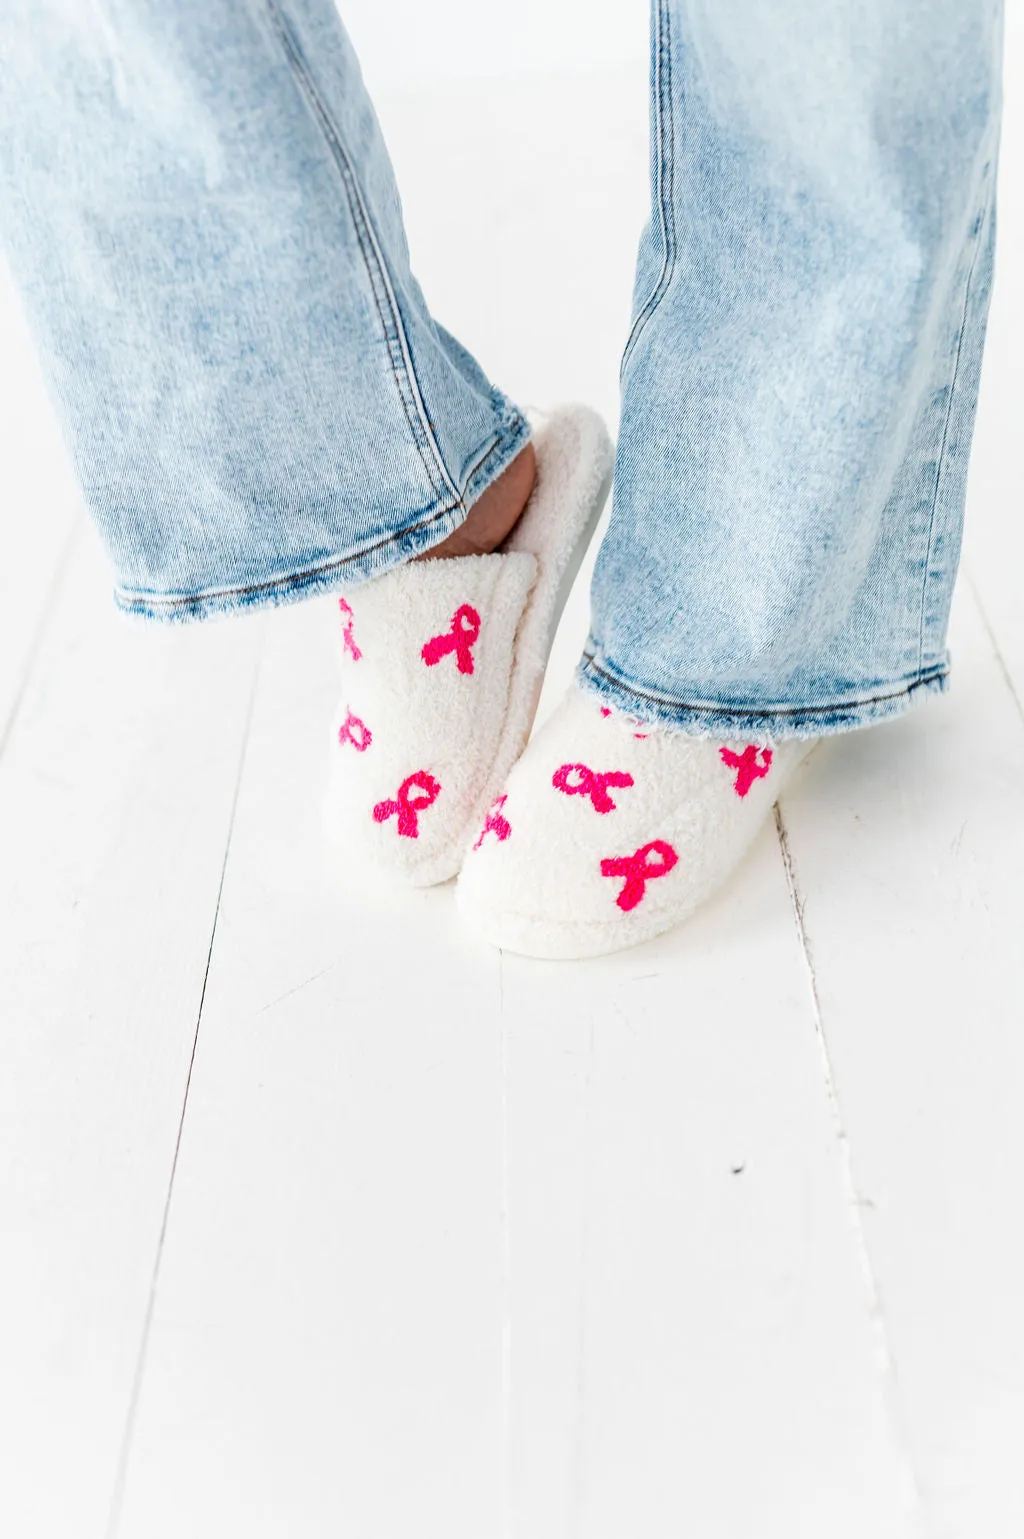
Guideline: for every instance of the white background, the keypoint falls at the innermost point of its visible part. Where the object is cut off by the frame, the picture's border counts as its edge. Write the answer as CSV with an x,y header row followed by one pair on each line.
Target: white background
x,y
406,43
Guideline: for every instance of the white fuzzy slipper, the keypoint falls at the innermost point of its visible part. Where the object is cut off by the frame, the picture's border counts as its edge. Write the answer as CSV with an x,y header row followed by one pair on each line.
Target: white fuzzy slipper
x,y
442,665
609,832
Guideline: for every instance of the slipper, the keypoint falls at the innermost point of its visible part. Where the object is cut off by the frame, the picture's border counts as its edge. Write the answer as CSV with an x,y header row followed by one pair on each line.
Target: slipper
x,y
610,832
442,666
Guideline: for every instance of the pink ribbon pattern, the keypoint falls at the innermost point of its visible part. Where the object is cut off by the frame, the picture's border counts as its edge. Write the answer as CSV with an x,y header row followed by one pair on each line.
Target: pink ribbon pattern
x,y
494,823
407,805
460,638
579,780
639,869
355,731
748,765
348,641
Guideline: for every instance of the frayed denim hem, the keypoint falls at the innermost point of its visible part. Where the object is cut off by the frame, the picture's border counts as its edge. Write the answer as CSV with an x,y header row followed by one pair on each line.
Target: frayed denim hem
x,y
340,571
774,723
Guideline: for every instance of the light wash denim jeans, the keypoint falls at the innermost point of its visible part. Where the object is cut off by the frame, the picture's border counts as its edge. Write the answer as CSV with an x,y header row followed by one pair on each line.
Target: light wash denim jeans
x,y
200,212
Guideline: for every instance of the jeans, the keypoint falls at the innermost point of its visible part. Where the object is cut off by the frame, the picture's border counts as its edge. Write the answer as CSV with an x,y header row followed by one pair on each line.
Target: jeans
x,y
200,212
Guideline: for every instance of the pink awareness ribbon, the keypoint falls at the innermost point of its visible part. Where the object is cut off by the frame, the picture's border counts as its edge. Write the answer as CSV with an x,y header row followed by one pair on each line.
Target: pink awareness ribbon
x,y
639,869
355,731
494,823
348,641
460,638
747,766
409,806
578,780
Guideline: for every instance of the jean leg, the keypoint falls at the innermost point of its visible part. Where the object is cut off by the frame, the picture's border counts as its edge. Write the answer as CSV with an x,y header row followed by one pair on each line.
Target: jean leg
x,y
200,213
799,385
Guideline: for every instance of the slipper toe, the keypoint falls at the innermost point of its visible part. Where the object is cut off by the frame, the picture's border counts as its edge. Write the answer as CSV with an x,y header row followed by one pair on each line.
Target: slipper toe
x,y
609,832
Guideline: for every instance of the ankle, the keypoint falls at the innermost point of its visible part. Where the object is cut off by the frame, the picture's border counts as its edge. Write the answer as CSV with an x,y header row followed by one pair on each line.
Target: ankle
x,y
495,513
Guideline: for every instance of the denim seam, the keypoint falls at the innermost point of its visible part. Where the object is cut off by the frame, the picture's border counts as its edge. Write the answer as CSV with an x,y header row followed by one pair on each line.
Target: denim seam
x,y
665,125
939,671
940,466
171,601
399,354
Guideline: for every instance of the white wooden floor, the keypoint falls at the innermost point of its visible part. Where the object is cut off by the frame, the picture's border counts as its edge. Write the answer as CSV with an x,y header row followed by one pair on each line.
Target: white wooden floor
x,y
317,1220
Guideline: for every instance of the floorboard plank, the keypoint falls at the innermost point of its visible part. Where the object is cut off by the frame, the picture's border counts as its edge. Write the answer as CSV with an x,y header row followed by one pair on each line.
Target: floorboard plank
x,y
908,846
692,1348
115,795
325,1354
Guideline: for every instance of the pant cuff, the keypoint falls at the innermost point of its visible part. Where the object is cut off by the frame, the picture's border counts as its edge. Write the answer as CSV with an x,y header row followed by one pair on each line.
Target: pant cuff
x,y
723,720
346,569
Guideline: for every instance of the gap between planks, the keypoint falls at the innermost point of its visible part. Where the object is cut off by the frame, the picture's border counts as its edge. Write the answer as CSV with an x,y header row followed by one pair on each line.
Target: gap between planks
x,y
121,1475
884,1355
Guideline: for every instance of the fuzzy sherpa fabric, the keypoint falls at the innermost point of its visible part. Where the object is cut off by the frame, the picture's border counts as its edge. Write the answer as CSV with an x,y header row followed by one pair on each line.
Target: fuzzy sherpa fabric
x,y
441,667
609,832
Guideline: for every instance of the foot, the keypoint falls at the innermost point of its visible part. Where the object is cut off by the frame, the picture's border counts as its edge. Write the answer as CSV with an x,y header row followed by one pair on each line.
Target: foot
x,y
442,663
609,832
495,513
